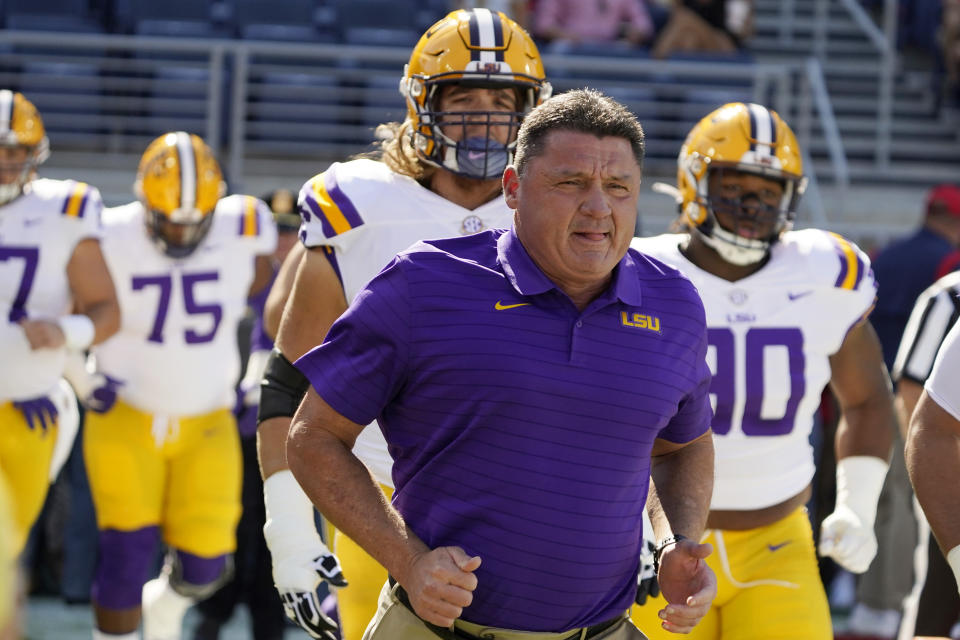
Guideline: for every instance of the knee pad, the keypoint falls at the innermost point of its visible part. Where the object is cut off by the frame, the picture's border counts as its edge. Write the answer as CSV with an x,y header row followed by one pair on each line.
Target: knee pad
x,y
125,560
196,577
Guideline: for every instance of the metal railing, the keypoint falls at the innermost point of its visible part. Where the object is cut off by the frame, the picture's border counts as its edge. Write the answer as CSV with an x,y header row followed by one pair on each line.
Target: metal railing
x,y
261,104
883,41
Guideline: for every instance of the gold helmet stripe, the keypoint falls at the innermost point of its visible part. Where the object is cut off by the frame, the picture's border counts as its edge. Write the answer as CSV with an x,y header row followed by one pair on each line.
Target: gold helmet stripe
x,y
763,132
6,110
188,172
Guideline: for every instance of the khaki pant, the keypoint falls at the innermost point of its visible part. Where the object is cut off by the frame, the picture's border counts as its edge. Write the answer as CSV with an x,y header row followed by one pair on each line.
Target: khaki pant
x,y
393,621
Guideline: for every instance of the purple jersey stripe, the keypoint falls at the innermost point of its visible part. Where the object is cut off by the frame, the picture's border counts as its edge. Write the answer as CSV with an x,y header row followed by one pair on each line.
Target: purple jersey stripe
x,y
843,267
315,210
69,198
83,203
341,200
860,271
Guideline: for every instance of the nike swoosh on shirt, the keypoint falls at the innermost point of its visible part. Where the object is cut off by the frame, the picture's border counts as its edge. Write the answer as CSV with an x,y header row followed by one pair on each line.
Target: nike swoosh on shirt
x,y
775,547
796,296
500,306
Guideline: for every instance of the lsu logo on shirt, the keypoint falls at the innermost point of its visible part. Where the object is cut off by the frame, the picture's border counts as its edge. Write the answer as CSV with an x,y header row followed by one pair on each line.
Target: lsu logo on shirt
x,y
640,321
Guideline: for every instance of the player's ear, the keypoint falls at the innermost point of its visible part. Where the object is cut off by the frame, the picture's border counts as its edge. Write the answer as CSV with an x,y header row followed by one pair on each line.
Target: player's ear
x,y
511,185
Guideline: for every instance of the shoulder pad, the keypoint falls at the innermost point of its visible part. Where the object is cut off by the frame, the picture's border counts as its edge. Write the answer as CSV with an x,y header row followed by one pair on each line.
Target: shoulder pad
x,y
328,199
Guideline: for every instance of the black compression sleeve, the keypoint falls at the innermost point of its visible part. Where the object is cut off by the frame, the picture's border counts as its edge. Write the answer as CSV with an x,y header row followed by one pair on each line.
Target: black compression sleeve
x,y
282,388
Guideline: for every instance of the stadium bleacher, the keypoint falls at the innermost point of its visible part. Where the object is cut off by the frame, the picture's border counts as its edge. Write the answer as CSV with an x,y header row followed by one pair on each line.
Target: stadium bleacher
x,y
313,77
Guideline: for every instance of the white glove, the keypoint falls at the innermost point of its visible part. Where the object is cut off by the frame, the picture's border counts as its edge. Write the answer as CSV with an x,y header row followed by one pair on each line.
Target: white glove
x,y
96,391
300,559
847,535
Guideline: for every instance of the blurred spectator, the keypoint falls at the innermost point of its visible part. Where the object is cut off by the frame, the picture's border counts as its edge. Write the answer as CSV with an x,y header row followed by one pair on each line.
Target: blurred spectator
x,y
903,270
252,581
909,265
568,23
516,9
705,26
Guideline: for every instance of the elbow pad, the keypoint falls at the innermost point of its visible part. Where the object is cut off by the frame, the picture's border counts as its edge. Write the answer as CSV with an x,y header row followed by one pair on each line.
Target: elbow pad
x,y
281,389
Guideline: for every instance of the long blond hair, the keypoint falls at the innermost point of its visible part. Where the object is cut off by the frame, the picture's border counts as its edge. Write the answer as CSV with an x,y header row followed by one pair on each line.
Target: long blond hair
x,y
395,149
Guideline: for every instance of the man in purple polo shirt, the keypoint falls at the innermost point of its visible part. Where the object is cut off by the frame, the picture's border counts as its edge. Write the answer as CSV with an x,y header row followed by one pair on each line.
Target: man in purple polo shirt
x,y
529,383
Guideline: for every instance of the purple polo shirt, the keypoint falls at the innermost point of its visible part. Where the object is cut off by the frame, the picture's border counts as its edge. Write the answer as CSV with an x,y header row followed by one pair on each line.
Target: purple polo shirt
x,y
520,427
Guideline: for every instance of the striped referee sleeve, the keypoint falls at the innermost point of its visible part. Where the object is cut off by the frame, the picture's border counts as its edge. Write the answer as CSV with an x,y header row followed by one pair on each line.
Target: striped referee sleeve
x,y
935,312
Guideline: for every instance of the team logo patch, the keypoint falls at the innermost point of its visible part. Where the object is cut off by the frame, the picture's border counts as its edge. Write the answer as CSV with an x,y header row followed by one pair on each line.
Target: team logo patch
x,y
737,296
640,321
471,224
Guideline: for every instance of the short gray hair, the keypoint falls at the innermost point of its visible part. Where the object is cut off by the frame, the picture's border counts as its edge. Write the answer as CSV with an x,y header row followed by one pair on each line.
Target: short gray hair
x,y
582,111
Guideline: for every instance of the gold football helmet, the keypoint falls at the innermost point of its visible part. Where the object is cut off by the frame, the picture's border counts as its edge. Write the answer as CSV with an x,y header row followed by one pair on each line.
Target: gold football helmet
x,y
746,138
179,183
481,48
23,143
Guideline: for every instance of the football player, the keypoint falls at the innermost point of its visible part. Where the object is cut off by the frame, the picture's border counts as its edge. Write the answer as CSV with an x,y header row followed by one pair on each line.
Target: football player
x,y
786,315
932,452
469,81
56,297
937,609
164,458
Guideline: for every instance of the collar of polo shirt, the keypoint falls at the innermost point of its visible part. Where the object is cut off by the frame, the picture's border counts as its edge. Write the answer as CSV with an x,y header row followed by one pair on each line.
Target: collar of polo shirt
x,y
529,280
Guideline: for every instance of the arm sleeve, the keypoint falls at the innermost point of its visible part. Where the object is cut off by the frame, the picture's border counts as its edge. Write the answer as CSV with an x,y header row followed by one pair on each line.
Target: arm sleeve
x,y
363,362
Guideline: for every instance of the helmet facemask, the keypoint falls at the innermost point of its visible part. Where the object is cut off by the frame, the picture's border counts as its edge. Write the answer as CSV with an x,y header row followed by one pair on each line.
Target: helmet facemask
x,y
15,172
740,179
742,226
178,239
23,144
479,152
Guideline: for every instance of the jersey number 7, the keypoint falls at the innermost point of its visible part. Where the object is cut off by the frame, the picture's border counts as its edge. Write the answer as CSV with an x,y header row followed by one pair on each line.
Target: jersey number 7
x,y
30,257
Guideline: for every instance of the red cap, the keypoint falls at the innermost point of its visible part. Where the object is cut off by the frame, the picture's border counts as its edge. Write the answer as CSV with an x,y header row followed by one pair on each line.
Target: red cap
x,y
947,196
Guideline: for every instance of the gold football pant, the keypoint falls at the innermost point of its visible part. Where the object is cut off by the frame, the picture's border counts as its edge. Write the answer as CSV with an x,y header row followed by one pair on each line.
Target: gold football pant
x,y
181,474
768,587
25,456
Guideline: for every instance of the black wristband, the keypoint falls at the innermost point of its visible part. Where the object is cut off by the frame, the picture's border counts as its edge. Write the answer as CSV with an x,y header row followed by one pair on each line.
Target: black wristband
x,y
281,389
666,542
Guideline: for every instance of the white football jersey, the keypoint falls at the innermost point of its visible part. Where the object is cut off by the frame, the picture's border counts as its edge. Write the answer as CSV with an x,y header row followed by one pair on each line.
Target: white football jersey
x,y
176,351
770,338
38,234
367,214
